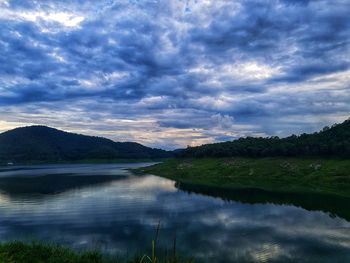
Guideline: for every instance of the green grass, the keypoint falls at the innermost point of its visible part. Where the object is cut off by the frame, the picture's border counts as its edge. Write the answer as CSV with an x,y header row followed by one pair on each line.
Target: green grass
x,y
19,252
305,175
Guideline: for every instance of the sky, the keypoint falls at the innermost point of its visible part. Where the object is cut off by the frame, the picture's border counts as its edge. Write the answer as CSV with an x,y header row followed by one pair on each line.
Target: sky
x,y
173,73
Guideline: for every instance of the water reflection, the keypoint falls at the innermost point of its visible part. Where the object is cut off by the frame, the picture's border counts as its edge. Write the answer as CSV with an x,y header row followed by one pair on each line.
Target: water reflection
x,y
120,214
335,206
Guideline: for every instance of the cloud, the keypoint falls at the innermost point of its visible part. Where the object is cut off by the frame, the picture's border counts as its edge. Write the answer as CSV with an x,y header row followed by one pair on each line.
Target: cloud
x,y
184,72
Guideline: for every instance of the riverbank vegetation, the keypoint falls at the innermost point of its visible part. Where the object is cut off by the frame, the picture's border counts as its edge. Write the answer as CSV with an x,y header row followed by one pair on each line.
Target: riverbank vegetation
x,y
19,252
308,163
283,174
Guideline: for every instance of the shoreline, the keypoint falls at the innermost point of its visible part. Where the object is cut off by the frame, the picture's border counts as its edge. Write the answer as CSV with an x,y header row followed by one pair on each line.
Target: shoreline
x,y
33,252
89,161
278,174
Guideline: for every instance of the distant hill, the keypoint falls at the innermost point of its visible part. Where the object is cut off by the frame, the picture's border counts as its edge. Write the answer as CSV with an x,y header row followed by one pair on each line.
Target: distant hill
x,y
41,143
331,141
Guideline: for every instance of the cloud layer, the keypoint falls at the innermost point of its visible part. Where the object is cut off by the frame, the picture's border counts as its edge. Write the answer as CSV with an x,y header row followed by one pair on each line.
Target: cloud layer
x,y
175,73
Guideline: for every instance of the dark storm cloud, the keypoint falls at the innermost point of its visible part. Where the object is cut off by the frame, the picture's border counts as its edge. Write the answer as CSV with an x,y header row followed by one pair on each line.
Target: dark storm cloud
x,y
239,59
304,72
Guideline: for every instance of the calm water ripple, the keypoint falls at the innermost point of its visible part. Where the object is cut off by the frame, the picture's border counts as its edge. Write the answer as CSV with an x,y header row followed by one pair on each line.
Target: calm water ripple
x,y
108,208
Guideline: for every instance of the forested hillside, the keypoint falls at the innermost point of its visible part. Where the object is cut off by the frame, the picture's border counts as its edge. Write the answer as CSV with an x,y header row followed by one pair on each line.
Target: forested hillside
x,y
40,143
331,141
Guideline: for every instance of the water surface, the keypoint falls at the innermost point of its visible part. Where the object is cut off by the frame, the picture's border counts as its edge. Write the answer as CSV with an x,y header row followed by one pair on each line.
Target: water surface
x,y
108,208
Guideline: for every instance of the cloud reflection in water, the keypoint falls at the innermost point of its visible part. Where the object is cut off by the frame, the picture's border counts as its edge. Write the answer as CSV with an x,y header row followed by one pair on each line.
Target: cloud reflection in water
x,y
120,216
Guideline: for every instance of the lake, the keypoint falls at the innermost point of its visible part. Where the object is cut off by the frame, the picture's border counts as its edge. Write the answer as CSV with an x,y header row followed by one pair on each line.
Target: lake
x,y
107,207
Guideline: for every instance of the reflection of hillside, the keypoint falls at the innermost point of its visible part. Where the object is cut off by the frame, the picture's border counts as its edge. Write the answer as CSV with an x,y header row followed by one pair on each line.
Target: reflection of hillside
x,y
50,184
334,205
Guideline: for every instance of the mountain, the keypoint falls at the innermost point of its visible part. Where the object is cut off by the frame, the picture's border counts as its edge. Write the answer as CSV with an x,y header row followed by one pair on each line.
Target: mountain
x,y
41,143
330,141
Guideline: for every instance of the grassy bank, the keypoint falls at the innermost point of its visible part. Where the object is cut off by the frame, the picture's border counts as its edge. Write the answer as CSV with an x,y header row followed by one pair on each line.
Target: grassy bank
x,y
304,175
19,252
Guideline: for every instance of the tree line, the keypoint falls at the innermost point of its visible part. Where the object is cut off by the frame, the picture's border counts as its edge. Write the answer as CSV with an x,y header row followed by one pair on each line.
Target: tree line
x,y
330,141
